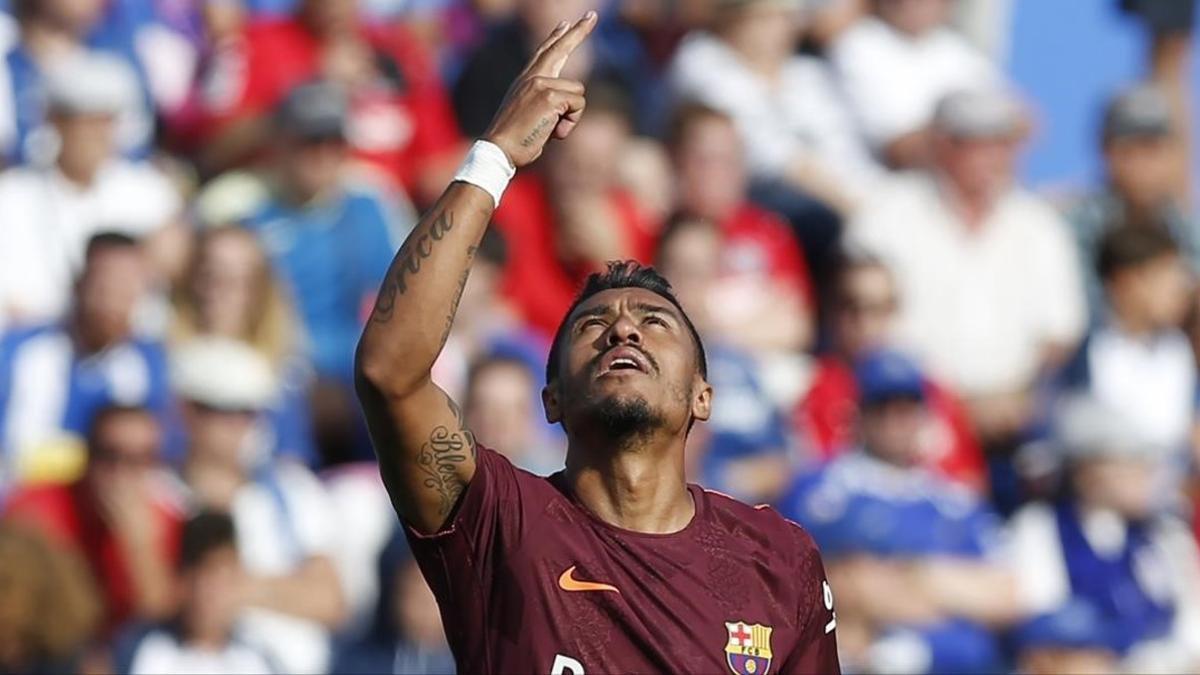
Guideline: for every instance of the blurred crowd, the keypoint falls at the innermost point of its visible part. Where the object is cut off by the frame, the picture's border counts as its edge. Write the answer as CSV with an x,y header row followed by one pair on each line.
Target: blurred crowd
x,y
981,400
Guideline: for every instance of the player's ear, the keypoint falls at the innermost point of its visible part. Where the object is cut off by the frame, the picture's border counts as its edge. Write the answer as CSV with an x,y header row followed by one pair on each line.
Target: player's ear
x,y
702,393
550,403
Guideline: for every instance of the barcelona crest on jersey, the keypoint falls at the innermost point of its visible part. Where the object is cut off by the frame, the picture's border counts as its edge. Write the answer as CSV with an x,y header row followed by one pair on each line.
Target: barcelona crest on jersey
x,y
748,650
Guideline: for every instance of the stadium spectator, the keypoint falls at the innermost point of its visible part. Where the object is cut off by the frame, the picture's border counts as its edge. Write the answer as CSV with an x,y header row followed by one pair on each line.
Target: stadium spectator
x,y
1109,547
50,211
284,520
399,117
53,33
566,221
487,320
1145,163
501,408
990,281
865,307
616,54
896,64
422,645
48,606
744,448
883,522
230,291
203,637
123,516
55,377
787,108
1138,360
329,241
761,262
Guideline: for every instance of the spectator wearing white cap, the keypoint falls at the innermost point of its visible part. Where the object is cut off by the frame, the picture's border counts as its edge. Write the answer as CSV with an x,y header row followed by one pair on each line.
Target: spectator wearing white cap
x,y
1109,547
896,64
988,272
52,33
50,212
285,521
1146,182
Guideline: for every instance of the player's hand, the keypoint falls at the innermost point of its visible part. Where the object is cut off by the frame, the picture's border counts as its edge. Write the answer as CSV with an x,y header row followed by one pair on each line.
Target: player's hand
x,y
540,104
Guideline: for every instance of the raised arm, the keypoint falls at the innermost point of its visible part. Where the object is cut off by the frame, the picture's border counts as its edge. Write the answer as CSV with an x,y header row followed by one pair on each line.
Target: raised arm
x,y
426,453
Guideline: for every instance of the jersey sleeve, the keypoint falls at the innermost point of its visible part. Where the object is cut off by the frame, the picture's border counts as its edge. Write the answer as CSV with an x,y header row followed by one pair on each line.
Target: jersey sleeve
x,y
460,562
816,646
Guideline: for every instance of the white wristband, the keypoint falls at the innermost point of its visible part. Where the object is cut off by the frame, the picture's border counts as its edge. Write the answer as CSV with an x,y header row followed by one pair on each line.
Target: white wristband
x,y
488,168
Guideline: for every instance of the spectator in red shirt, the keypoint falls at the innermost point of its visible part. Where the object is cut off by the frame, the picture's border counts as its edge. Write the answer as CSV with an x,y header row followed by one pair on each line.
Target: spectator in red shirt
x,y
566,221
762,264
864,313
400,122
122,516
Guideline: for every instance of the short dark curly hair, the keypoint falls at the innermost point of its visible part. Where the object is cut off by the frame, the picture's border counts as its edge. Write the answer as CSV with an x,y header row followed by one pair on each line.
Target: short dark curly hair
x,y
624,274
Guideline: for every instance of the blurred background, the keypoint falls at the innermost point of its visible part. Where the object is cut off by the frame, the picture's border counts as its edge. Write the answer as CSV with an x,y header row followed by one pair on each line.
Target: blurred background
x,y
943,254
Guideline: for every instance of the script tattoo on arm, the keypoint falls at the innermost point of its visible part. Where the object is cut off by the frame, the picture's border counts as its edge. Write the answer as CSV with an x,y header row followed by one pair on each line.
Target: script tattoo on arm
x,y
408,264
536,133
441,456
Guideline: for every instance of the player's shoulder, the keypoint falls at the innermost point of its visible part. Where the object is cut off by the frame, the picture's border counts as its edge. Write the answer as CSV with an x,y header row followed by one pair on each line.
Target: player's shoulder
x,y
762,523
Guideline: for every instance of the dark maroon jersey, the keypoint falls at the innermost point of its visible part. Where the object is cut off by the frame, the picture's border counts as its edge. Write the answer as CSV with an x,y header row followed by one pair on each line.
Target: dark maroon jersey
x,y
529,581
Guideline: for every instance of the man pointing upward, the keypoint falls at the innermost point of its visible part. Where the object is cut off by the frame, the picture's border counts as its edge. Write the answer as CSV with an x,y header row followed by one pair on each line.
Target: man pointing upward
x,y
615,564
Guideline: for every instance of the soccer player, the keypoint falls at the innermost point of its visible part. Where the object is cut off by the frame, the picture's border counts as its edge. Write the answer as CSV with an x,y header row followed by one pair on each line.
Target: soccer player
x,y
615,564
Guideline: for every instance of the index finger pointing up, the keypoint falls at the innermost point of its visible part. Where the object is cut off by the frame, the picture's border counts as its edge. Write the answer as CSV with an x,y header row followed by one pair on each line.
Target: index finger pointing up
x,y
550,61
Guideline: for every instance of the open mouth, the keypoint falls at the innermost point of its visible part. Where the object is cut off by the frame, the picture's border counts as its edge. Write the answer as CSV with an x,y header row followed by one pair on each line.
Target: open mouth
x,y
623,359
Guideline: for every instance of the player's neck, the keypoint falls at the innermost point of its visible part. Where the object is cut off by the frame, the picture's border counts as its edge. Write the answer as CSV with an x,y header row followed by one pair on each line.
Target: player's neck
x,y
633,490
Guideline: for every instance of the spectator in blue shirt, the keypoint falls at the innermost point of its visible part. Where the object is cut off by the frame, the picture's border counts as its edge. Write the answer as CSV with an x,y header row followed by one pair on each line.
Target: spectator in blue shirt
x,y
54,378
330,243
886,522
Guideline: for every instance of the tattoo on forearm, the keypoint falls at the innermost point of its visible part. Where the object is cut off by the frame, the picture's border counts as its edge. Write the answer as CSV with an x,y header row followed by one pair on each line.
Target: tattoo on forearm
x,y
536,133
462,286
408,264
442,455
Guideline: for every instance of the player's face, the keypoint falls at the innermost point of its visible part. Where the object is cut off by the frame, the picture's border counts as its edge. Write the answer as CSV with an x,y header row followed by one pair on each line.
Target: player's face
x,y
629,365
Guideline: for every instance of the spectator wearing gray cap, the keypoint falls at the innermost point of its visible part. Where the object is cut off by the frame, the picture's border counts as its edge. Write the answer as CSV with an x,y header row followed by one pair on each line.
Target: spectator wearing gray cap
x,y
988,271
292,598
51,211
896,64
1147,174
1109,545
330,241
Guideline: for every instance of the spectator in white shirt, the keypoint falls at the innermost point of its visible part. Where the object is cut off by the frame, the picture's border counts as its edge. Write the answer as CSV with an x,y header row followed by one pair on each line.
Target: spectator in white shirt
x,y
796,129
49,214
204,637
1138,360
990,277
286,523
896,64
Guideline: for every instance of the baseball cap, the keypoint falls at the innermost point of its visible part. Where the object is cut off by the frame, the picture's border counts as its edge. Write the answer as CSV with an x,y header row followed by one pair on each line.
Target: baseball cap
x,y
1140,111
313,111
1088,428
91,83
224,374
888,374
979,113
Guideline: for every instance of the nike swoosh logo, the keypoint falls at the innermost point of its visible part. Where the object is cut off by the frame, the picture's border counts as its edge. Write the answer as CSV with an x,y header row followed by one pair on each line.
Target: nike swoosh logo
x,y
568,582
